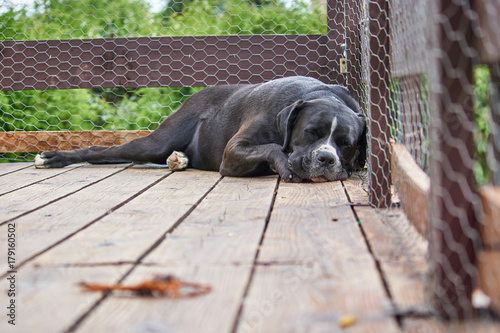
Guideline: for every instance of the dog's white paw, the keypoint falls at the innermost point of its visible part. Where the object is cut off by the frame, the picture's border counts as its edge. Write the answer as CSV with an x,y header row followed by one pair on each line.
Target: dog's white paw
x,y
177,161
39,162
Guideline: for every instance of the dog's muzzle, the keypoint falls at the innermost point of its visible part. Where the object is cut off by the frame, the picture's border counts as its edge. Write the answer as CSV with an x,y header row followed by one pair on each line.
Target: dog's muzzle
x,y
321,165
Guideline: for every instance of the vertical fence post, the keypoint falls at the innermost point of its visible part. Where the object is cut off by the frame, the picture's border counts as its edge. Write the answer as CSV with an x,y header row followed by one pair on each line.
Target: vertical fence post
x,y
378,104
452,219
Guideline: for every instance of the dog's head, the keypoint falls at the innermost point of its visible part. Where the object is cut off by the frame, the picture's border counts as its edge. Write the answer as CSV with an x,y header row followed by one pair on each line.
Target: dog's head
x,y
324,137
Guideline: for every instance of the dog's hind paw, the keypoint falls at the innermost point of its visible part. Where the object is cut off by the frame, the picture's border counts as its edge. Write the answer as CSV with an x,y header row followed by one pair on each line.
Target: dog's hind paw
x,y
177,161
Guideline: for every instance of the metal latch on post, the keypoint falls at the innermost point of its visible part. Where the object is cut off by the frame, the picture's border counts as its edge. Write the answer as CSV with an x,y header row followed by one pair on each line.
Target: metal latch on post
x,y
343,61
343,66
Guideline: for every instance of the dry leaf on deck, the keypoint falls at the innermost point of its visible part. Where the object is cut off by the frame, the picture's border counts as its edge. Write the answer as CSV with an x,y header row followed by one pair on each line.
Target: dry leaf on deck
x,y
160,285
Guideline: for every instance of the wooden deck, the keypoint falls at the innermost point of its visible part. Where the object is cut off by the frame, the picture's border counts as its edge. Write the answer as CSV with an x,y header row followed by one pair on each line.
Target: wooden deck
x,y
279,257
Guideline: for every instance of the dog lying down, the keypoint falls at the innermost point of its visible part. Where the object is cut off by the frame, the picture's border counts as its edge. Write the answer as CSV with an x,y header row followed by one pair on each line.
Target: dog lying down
x,y
297,127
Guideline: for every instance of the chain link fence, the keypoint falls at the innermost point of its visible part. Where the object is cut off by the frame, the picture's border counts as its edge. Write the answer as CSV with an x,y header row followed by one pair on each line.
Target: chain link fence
x,y
422,70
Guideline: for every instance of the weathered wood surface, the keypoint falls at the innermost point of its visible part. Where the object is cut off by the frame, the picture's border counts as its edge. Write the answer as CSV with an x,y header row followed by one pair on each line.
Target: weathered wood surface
x,y
413,184
8,168
304,280
35,142
279,257
489,256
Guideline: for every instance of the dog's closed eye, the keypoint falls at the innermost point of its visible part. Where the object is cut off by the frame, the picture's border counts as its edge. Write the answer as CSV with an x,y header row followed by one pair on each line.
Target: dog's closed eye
x,y
311,133
343,142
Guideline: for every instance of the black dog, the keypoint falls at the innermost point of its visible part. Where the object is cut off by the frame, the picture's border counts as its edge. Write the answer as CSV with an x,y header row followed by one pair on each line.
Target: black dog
x,y
298,127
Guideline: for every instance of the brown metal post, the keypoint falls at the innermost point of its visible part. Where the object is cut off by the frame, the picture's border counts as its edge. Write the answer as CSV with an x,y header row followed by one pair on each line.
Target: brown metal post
x,y
378,105
452,219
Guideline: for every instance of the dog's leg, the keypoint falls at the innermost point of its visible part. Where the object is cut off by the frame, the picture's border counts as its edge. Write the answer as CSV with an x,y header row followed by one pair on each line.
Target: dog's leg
x,y
146,149
243,159
174,133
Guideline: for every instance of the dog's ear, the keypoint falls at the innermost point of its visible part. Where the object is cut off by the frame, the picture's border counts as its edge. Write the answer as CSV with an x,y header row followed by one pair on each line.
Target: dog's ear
x,y
285,120
361,148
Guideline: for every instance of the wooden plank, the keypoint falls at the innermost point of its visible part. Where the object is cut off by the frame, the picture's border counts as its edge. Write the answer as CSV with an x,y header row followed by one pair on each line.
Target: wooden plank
x,y
490,227
489,257
210,313
6,168
489,276
378,106
433,325
35,142
131,230
427,325
401,252
51,224
313,267
26,177
225,228
216,244
49,298
162,61
29,198
356,187
295,298
305,221
489,42
413,186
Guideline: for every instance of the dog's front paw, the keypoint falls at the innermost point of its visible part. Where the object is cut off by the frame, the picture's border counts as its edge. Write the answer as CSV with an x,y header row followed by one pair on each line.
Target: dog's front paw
x,y
290,177
177,161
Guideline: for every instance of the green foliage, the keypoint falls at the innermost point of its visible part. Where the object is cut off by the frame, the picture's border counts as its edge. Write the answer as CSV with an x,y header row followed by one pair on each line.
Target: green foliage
x,y
483,118
119,108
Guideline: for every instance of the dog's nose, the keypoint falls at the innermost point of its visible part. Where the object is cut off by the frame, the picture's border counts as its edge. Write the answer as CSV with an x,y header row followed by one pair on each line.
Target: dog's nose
x,y
325,158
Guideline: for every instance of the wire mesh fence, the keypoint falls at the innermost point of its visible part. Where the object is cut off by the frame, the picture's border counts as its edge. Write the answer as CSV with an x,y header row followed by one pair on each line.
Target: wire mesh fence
x,y
440,116
422,70
138,60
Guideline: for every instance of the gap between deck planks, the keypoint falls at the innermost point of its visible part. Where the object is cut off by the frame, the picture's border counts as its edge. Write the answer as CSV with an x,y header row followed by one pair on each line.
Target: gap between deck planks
x,y
311,243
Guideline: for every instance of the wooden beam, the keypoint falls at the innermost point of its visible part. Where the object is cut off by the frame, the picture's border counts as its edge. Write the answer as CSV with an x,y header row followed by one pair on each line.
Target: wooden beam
x,y
452,214
413,186
34,142
378,106
490,228
489,276
165,61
